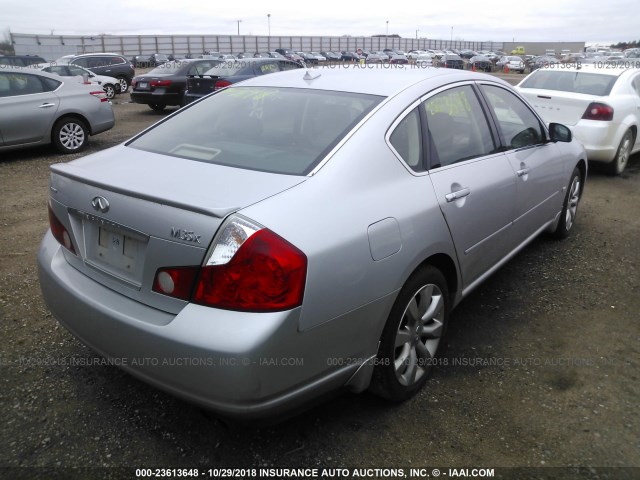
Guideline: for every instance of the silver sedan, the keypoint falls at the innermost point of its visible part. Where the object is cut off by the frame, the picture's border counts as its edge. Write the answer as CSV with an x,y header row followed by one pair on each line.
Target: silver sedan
x,y
39,108
302,232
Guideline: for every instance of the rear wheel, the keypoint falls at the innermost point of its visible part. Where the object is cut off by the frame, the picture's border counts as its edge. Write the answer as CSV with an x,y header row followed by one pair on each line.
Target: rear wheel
x,y
619,163
411,336
110,90
124,84
157,107
70,135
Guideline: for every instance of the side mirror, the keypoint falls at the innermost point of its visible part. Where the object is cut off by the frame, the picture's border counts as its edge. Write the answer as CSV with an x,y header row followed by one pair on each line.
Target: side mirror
x,y
559,133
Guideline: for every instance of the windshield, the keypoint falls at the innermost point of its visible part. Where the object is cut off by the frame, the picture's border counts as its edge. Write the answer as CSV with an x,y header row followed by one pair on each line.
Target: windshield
x,y
576,82
278,130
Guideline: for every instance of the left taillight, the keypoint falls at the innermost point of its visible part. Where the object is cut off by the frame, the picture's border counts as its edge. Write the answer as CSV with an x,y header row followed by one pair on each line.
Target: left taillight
x,y
59,232
250,268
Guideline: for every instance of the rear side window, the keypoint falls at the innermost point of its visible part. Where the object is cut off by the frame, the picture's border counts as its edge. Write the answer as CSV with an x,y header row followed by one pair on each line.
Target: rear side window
x,y
406,140
458,129
278,130
519,127
16,84
575,82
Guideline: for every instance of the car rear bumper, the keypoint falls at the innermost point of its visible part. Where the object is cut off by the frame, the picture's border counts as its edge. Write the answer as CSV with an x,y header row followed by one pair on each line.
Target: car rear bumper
x,y
239,364
156,98
600,139
104,120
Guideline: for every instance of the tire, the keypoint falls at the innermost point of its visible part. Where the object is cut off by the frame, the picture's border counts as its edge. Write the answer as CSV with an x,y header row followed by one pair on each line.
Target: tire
x,y
570,206
409,342
70,135
124,84
157,107
619,163
110,90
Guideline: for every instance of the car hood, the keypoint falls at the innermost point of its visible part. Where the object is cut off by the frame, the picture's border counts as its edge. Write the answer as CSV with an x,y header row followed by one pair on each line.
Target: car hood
x,y
191,185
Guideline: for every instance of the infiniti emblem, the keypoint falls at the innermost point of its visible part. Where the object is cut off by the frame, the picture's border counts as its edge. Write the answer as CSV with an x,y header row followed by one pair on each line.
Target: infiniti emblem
x,y
100,204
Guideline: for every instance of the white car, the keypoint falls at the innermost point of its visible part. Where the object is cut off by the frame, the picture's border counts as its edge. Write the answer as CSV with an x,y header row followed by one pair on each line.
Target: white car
x,y
82,75
601,106
513,63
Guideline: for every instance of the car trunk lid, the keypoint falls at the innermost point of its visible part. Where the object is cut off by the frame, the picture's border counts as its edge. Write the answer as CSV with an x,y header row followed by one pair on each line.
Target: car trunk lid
x,y
132,212
559,107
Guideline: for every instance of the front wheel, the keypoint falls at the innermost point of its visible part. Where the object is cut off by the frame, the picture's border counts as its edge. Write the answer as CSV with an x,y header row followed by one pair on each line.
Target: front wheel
x,y
570,206
619,163
411,336
70,135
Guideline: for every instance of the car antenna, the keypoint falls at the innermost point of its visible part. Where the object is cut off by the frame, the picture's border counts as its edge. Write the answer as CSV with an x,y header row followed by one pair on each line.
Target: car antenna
x,y
309,75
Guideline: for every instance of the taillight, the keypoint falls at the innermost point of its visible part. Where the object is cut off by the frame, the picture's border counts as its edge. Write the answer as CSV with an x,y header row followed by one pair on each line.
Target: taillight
x,y
598,111
250,269
175,282
221,84
59,232
134,82
160,83
100,95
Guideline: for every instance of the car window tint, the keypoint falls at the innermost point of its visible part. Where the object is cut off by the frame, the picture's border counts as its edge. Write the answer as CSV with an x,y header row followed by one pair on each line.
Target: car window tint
x,y
406,140
576,82
519,127
279,130
50,84
58,70
458,129
114,61
5,85
201,67
24,84
289,65
83,62
268,68
77,71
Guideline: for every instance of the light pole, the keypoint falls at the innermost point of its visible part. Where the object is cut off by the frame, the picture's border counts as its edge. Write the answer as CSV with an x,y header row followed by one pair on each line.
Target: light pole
x,y
417,34
451,36
269,23
238,26
387,28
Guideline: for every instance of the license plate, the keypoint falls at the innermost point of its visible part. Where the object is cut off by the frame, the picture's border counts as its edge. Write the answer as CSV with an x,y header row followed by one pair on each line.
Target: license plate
x,y
118,250
144,85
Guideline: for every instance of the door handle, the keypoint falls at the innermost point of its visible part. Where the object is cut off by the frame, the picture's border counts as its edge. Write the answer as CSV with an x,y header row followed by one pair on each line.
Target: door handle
x,y
453,196
523,172
47,105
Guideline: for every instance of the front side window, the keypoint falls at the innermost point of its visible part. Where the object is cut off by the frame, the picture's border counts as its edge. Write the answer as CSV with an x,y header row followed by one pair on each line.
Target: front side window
x,y
277,130
458,129
519,127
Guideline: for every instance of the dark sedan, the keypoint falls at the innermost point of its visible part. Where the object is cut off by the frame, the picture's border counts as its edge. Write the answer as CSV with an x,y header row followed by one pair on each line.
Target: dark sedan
x,y
451,60
480,63
228,73
165,84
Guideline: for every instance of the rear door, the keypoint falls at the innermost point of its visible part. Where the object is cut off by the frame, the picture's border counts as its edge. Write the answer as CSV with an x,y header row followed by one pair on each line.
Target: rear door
x,y
473,181
535,161
28,107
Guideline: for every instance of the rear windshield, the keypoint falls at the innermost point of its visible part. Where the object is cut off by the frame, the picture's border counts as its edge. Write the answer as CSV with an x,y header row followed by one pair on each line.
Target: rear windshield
x,y
575,82
229,69
277,130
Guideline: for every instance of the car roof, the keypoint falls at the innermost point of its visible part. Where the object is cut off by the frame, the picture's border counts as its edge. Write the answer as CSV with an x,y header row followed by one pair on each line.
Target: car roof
x,y
31,69
384,80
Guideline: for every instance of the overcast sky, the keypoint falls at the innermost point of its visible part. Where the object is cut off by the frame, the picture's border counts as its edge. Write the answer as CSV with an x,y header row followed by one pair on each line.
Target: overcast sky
x,y
539,20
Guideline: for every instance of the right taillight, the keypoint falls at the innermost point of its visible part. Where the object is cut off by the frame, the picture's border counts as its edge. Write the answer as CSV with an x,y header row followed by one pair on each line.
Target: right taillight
x,y
59,232
100,94
598,111
250,268
221,84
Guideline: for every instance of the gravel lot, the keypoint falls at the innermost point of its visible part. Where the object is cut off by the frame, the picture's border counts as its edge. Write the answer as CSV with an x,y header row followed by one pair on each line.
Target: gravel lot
x,y
540,365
